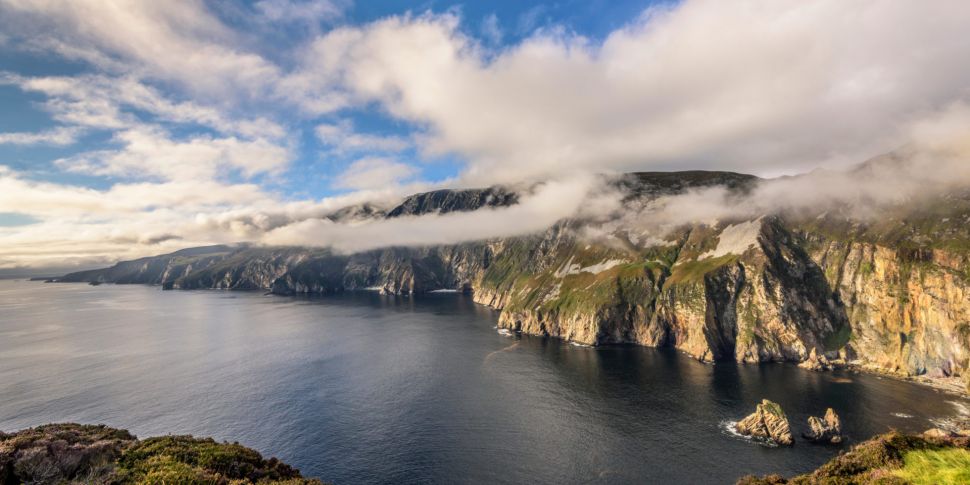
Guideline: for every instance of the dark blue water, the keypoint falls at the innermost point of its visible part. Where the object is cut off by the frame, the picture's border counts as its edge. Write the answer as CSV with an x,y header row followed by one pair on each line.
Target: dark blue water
x,y
363,388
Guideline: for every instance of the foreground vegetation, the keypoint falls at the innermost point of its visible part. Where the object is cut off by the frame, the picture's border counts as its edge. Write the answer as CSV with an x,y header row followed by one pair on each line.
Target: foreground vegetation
x,y
74,454
889,459
936,466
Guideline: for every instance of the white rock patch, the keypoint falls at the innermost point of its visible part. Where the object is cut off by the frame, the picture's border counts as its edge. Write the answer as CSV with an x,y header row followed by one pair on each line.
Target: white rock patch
x,y
736,239
567,269
552,295
570,268
601,267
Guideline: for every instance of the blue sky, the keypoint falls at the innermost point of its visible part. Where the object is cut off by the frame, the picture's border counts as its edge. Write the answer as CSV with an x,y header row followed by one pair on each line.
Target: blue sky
x,y
131,128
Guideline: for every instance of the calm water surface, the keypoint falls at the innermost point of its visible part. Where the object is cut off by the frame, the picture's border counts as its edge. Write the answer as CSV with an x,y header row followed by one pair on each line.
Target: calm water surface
x,y
364,388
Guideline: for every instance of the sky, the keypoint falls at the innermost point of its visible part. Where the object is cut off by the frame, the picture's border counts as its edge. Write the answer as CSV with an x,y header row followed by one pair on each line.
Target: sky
x,y
131,128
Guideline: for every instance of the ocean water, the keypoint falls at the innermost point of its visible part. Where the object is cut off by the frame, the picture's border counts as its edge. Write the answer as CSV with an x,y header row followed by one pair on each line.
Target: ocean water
x,y
365,388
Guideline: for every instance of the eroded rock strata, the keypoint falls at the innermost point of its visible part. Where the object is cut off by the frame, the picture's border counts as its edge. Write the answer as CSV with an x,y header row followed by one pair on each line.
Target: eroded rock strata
x,y
890,294
769,423
827,429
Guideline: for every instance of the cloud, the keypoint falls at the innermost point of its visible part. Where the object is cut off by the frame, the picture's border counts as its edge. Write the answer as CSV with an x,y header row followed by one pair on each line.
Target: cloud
x,y
491,30
296,10
530,19
76,226
202,113
175,41
373,173
935,163
85,226
342,137
549,203
47,200
56,136
150,152
769,87
100,101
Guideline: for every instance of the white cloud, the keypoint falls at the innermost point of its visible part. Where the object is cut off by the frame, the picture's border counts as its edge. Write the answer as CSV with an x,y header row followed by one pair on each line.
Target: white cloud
x,y
548,204
177,41
56,136
374,173
764,86
530,19
150,152
48,200
491,29
78,225
342,137
301,10
100,101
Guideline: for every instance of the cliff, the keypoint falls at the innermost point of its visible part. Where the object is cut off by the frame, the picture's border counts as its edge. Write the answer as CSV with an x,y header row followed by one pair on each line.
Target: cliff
x,y
74,453
888,293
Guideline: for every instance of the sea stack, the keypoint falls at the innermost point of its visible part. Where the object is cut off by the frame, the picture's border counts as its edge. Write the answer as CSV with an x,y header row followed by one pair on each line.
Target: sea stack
x,y
825,430
768,422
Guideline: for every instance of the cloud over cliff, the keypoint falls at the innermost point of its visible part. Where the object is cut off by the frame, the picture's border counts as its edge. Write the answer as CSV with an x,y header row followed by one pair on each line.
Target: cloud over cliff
x,y
537,210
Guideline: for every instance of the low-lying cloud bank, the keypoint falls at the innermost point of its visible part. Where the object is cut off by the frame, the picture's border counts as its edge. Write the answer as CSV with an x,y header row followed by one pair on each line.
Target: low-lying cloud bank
x,y
547,204
936,161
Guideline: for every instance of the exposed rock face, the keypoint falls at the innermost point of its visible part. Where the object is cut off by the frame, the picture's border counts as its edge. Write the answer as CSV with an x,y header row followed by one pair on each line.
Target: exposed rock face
x,y
825,430
909,309
50,454
444,201
769,423
819,289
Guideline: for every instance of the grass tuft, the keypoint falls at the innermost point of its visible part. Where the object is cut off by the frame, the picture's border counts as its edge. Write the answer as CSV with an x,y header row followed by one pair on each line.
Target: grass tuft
x,y
933,467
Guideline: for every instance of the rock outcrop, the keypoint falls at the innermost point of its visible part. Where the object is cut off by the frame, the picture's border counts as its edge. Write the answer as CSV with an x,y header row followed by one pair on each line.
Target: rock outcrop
x,y
445,201
827,429
74,453
768,423
50,454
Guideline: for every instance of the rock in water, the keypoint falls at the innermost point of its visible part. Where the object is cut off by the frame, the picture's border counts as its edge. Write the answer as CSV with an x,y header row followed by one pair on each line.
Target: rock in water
x,y
825,430
767,422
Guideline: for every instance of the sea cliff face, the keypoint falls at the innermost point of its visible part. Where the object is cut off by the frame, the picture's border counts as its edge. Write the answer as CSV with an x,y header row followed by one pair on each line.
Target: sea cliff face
x,y
908,303
891,294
